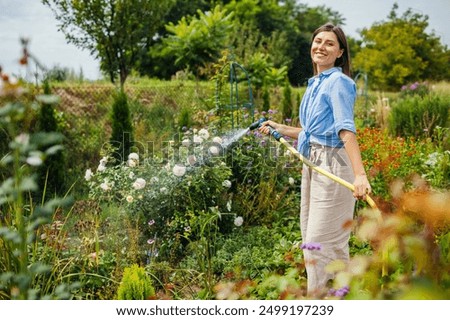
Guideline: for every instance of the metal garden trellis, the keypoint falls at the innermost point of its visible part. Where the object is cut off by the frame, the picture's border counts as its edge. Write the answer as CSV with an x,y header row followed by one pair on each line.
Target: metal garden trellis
x,y
237,108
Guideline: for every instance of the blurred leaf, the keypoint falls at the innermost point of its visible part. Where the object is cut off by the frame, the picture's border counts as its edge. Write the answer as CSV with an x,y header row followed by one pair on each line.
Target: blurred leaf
x,y
48,99
54,149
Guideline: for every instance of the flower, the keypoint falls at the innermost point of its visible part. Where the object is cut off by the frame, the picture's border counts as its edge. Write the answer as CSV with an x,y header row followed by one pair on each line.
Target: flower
x,y
204,134
179,170
214,150
191,160
151,241
131,175
238,221
163,190
341,292
132,163
186,143
226,183
311,246
139,184
197,139
101,167
133,156
105,186
104,161
151,222
88,175
291,181
129,199
217,140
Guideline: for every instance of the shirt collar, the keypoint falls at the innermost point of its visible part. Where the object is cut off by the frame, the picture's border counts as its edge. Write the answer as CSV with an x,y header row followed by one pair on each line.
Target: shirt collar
x,y
324,74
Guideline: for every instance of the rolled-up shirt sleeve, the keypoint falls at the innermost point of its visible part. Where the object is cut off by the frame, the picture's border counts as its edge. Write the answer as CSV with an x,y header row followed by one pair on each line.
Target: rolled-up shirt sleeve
x,y
342,100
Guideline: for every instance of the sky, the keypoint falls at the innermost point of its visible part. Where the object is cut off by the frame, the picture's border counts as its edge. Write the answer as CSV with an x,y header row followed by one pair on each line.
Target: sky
x,y
32,20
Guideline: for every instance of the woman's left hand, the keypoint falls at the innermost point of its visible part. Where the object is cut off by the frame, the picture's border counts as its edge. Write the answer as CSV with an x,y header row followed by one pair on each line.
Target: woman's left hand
x,y
362,187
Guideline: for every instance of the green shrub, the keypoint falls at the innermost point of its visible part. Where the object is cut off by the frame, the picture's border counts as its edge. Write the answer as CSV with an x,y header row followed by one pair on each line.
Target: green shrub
x,y
266,99
135,284
122,129
417,116
184,119
287,101
51,173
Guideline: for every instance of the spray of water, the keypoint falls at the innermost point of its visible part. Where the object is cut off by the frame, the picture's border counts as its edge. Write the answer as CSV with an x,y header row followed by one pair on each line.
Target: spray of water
x,y
233,137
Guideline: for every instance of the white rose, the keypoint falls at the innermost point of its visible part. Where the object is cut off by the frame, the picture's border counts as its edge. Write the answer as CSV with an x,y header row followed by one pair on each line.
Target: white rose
x,y
186,143
198,139
217,140
133,156
101,167
105,186
238,221
204,134
132,163
226,183
179,170
139,184
214,150
88,175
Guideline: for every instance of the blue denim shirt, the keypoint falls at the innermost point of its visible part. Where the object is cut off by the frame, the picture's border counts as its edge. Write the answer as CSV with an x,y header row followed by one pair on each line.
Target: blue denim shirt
x,y
326,109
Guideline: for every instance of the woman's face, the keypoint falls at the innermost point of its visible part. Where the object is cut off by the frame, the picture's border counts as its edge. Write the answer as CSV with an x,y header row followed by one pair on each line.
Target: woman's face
x,y
325,50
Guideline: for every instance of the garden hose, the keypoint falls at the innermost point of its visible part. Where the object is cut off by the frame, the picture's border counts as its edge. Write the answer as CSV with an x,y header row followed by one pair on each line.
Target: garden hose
x,y
310,164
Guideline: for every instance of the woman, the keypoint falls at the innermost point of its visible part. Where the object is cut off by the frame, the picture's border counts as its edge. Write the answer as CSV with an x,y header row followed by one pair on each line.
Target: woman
x,y
328,138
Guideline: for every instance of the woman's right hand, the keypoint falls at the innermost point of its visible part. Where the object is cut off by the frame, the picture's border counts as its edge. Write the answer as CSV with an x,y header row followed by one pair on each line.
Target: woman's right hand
x,y
264,128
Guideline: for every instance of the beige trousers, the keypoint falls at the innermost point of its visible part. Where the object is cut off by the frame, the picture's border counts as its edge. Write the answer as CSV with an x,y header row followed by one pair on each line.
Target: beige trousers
x,y
325,207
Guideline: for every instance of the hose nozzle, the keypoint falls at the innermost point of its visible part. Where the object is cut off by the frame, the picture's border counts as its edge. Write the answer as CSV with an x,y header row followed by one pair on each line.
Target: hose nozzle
x,y
257,124
274,133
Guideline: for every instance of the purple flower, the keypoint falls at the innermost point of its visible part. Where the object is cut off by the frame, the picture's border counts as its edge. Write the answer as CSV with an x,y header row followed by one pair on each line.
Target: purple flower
x,y
341,292
414,86
263,113
151,222
404,87
151,241
288,120
311,246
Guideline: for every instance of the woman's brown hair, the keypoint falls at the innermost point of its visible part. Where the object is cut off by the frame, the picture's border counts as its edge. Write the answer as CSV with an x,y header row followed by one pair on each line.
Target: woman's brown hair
x,y
344,60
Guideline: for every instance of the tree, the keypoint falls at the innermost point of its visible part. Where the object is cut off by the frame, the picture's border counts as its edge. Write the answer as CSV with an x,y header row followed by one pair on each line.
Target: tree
x,y
122,128
400,51
114,31
198,41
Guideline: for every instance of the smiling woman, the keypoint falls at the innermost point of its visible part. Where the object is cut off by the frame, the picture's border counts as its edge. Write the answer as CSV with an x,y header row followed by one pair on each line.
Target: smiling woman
x,y
32,20
327,139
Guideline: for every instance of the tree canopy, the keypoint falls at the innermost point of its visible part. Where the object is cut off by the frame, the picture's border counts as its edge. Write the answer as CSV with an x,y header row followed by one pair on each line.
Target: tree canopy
x,y
400,51
114,31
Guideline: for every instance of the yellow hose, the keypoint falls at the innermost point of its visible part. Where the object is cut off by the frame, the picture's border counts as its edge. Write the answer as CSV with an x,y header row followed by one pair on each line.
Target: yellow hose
x,y
333,177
